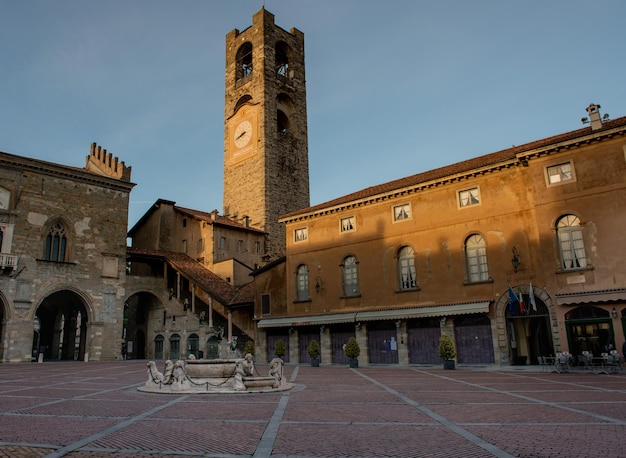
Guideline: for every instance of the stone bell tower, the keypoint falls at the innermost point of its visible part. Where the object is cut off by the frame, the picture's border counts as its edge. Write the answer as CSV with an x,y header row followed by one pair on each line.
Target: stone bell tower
x,y
266,167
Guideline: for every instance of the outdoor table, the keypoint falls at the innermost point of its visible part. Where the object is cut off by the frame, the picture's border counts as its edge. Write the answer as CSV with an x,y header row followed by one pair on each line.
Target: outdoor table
x,y
599,361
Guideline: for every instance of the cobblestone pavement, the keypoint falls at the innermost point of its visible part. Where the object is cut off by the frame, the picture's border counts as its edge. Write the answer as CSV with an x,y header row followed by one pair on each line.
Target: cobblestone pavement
x,y
58,409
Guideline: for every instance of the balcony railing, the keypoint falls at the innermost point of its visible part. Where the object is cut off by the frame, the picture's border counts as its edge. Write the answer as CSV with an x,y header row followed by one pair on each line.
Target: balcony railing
x,y
8,261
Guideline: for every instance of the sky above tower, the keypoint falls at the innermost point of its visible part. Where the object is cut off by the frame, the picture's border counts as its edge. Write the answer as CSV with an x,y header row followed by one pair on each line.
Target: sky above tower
x,y
393,88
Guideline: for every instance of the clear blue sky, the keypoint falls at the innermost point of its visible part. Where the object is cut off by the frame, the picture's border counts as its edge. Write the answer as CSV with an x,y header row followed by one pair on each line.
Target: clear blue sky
x,y
394,87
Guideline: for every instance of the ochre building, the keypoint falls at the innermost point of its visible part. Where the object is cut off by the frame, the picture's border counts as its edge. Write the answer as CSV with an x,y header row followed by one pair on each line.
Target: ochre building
x,y
517,254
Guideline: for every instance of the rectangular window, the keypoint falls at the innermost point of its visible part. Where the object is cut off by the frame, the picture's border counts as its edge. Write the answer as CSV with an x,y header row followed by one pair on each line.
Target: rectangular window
x,y
301,234
240,246
560,173
469,197
222,243
402,212
257,247
200,245
265,304
348,224
184,247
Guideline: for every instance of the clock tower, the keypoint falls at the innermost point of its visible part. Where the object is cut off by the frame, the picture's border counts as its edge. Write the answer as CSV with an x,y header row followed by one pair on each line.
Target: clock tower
x,y
266,167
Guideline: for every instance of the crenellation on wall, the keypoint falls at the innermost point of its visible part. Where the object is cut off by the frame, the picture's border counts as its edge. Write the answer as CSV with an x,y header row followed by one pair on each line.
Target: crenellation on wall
x,y
99,161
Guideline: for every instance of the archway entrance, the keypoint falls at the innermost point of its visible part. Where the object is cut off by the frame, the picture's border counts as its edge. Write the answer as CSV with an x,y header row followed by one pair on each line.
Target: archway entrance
x,y
62,333
529,332
139,312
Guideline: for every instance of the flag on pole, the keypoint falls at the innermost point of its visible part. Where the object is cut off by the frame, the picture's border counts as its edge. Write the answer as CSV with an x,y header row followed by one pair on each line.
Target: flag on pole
x,y
522,309
533,304
512,300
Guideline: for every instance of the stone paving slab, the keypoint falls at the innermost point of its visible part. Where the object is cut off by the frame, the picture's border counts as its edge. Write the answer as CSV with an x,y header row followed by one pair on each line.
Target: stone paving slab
x,y
62,409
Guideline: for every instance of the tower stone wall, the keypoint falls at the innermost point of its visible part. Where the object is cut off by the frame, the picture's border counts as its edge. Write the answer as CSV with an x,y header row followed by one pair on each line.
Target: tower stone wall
x,y
265,89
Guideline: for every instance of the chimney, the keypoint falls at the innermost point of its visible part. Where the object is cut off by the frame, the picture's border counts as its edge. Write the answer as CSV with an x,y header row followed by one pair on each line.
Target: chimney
x,y
246,220
594,116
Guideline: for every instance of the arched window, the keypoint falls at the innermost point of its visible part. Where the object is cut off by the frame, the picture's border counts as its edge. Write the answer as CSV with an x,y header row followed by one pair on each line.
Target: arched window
x,y
244,60
302,282
282,122
284,111
350,276
242,101
476,258
406,268
56,243
571,244
282,58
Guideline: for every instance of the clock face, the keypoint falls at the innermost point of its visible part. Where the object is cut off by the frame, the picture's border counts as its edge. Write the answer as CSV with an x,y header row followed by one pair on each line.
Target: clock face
x,y
243,134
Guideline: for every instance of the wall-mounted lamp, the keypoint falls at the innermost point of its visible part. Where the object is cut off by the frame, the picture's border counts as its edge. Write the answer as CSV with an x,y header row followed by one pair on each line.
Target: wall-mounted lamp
x,y
398,323
442,323
357,326
614,313
290,330
185,304
171,295
515,260
318,285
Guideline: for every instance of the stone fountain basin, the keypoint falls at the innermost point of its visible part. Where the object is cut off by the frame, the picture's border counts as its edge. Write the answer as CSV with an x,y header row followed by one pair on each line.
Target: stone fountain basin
x,y
211,368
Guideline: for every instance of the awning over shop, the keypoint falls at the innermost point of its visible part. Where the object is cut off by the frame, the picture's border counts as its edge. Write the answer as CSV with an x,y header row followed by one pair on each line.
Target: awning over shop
x,y
592,297
425,312
394,314
331,318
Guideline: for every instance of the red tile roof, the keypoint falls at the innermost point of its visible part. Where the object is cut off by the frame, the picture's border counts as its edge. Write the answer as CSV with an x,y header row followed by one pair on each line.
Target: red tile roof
x,y
503,158
202,277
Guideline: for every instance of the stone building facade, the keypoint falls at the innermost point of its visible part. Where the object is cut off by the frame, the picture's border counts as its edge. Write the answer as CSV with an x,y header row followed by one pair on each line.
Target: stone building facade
x,y
63,239
266,171
517,254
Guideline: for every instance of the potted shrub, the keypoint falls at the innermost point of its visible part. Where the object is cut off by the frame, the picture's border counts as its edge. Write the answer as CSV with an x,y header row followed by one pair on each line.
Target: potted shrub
x,y
352,350
314,352
447,351
249,348
280,349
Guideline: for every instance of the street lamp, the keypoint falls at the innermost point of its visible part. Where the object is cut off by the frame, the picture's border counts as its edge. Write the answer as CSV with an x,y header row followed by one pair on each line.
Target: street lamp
x,y
515,260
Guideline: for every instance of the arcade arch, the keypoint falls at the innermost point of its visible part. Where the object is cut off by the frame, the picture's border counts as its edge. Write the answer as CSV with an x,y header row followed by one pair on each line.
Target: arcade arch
x,y
62,327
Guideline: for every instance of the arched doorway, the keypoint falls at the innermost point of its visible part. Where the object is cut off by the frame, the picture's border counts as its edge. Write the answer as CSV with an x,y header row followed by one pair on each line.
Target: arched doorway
x,y
158,347
193,346
529,332
62,333
140,310
213,347
474,342
589,329
174,347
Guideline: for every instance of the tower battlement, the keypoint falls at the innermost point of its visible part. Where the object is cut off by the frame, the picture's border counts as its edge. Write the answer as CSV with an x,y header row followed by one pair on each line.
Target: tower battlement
x,y
99,161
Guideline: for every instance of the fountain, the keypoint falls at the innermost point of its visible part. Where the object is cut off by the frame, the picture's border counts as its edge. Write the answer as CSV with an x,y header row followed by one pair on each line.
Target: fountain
x,y
223,375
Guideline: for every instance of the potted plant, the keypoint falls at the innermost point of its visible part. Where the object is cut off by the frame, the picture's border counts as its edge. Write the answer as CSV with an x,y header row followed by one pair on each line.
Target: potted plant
x,y
352,350
249,348
314,352
447,351
279,348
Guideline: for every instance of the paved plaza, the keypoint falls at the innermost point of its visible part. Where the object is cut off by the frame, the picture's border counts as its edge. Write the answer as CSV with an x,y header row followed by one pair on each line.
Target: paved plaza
x,y
94,409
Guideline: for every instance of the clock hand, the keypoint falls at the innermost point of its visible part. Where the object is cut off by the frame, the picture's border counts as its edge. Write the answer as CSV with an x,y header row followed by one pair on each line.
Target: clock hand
x,y
241,135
